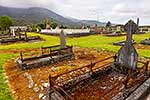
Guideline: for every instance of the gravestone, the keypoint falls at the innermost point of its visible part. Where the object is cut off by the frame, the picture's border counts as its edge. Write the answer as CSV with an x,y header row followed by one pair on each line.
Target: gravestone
x,y
127,55
62,39
13,33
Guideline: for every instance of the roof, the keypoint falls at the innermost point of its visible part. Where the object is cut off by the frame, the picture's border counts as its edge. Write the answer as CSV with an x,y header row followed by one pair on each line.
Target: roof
x,y
16,27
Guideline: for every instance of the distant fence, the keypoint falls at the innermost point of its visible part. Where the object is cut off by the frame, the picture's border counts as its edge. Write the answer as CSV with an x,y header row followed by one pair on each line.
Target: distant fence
x,y
66,31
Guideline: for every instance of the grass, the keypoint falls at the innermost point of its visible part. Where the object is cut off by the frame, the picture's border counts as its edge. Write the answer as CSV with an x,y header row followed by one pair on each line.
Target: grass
x,y
94,41
4,91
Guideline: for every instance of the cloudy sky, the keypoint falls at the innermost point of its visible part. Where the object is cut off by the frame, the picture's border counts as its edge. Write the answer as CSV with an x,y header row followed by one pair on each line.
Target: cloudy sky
x,y
116,11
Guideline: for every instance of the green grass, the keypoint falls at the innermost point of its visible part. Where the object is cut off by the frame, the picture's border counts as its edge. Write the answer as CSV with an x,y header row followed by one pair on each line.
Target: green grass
x,y
4,91
94,41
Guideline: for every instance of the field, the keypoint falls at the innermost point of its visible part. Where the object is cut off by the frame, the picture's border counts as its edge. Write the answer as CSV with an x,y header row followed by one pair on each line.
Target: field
x,y
95,41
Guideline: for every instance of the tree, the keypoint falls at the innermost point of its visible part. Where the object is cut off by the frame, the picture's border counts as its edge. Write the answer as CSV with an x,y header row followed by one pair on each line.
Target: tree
x,y
108,24
5,22
41,25
54,25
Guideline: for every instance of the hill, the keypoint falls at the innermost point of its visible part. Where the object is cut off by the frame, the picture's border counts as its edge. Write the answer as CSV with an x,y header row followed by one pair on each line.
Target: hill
x,y
33,15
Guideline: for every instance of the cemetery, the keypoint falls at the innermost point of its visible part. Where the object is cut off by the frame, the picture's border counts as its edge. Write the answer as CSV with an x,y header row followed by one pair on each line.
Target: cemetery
x,y
17,34
64,71
74,50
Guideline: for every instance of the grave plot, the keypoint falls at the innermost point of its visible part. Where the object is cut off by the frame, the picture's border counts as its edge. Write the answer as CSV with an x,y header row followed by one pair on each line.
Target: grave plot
x,y
121,43
115,34
99,82
17,34
49,55
115,80
145,42
31,84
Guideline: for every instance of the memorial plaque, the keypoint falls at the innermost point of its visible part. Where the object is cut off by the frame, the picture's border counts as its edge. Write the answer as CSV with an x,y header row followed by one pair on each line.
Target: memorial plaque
x,y
127,55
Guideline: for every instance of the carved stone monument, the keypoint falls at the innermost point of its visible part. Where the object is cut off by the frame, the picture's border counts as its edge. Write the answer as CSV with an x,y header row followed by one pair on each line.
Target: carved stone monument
x,y
62,39
48,23
127,55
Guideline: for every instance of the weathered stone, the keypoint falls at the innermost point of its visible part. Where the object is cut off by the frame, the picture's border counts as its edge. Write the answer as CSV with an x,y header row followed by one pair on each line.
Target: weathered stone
x,y
41,95
139,92
44,98
127,55
29,77
62,39
45,84
36,89
13,92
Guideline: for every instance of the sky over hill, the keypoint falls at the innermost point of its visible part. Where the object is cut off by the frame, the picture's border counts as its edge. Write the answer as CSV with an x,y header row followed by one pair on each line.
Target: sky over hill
x,y
117,11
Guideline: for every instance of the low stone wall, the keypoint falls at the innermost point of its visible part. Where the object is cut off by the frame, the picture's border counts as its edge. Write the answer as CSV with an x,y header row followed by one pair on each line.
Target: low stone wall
x,y
137,92
55,55
13,39
140,92
42,62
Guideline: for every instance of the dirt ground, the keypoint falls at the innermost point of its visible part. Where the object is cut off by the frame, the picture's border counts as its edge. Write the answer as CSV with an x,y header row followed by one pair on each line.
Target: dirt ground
x,y
104,88
30,84
141,46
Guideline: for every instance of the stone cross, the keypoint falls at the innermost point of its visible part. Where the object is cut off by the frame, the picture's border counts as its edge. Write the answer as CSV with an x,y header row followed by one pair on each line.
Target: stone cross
x,y
62,39
127,55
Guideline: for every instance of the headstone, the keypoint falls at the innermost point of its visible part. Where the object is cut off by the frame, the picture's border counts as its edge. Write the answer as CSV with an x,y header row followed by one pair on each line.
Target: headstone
x,y
127,55
62,39
13,33
18,32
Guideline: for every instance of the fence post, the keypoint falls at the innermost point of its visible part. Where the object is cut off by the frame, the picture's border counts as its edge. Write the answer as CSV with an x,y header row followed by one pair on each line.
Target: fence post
x,y
147,62
91,65
21,57
115,58
50,85
42,50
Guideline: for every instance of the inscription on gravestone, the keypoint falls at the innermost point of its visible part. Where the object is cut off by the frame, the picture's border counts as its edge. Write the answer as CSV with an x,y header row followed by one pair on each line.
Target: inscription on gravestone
x,y
62,39
127,55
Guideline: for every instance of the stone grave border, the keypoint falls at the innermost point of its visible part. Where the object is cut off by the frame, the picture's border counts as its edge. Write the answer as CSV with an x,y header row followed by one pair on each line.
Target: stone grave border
x,y
55,54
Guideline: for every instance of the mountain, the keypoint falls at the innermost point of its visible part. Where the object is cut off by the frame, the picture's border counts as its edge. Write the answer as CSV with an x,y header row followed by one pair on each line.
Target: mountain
x,y
33,15
92,22
88,22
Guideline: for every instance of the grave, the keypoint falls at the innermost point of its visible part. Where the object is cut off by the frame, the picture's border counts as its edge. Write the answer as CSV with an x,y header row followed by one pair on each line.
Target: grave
x,y
117,33
145,42
49,55
17,34
116,80
121,43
